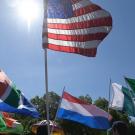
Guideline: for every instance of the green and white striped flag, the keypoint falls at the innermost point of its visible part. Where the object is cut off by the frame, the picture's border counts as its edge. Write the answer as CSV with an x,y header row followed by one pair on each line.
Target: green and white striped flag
x,y
131,83
13,100
122,99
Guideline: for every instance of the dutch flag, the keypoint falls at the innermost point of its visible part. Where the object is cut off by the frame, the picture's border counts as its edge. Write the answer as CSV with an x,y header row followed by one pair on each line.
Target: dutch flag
x,y
74,109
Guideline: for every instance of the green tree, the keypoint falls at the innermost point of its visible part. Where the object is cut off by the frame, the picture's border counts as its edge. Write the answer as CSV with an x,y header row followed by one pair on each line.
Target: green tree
x,y
40,103
101,103
86,98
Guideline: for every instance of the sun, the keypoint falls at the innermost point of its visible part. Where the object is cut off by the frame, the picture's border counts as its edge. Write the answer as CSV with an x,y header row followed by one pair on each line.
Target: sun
x,y
28,10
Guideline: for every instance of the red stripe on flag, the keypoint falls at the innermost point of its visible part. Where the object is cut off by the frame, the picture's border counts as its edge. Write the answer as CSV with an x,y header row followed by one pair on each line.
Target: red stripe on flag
x,y
73,99
75,1
3,87
4,83
79,38
8,120
81,25
82,51
85,10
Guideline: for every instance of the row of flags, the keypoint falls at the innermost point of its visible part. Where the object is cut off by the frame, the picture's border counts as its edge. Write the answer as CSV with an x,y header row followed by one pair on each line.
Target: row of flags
x,y
74,109
12,100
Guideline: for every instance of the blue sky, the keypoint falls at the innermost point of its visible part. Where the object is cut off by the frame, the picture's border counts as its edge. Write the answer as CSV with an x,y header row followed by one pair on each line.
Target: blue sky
x,y
22,56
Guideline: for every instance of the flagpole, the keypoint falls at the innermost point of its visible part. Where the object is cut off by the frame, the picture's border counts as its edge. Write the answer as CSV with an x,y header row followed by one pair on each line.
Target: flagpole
x,y
58,109
46,84
109,95
109,98
45,4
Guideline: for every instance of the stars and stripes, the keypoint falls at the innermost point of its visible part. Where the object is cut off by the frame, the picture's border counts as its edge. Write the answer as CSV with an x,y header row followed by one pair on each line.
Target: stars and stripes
x,y
75,26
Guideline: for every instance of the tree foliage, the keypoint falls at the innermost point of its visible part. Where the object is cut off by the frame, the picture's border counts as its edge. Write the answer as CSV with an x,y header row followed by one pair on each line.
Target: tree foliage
x,y
101,103
86,98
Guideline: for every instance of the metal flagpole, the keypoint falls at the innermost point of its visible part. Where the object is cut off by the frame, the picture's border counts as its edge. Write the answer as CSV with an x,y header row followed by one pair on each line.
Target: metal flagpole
x,y
57,110
47,98
109,98
45,4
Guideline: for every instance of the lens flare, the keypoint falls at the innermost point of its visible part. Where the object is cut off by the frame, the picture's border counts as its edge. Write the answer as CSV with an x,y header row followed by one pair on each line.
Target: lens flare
x,y
28,10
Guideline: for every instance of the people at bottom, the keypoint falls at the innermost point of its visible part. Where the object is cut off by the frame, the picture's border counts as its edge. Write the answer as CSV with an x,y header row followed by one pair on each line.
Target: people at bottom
x,y
42,130
119,128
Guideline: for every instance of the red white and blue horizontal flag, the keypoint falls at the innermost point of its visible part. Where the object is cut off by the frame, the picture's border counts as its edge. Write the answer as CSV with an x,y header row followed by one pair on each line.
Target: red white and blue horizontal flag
x,y
74,109
75,26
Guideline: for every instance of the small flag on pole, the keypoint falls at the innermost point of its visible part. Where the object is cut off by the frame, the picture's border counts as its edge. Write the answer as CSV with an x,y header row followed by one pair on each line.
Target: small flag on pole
x,y
122,100
13,100
74,109
75,26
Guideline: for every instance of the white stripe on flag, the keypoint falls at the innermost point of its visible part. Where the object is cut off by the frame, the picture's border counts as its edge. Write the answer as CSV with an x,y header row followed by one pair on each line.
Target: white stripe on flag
x,y
118,97
86,44
93,30
90,16
67,105
81,4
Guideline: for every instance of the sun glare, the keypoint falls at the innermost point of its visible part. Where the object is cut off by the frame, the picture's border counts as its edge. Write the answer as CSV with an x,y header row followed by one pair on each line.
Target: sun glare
x,y
28,10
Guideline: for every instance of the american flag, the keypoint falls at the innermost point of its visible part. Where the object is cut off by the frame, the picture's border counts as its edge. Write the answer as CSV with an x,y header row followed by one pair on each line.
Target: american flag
x,y
75,26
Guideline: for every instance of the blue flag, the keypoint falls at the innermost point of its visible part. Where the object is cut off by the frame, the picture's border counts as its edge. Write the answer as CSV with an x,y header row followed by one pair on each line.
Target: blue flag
x,y
24,108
